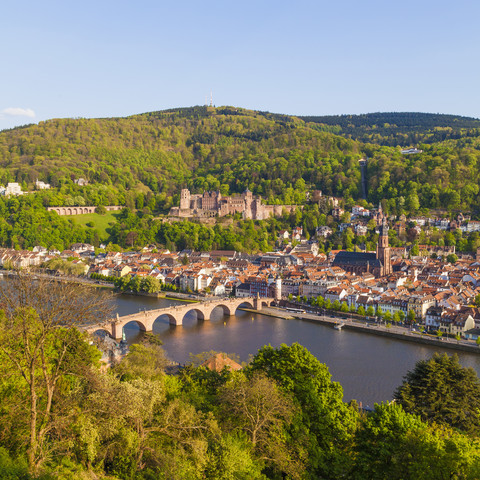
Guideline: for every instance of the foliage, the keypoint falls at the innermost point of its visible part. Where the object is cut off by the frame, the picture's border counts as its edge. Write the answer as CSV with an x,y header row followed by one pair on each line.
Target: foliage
x,y
392,444
299,372
41,353
443,391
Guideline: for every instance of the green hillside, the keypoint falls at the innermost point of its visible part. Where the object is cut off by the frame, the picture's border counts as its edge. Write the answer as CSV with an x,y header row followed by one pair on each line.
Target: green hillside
x,y
142,161
205,149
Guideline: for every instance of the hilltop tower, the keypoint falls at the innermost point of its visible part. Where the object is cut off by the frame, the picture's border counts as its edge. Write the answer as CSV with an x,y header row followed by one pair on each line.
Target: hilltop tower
x,y
383,249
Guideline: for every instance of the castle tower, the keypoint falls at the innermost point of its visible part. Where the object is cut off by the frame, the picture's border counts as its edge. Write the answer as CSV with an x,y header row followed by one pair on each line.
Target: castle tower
x,y
383,249
184,199
248,199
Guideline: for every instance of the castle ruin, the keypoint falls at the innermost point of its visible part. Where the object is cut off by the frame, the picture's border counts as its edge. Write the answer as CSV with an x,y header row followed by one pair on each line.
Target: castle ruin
x,y
212,204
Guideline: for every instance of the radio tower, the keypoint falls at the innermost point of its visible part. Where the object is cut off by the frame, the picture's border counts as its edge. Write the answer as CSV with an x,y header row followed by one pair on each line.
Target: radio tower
x,y
211,99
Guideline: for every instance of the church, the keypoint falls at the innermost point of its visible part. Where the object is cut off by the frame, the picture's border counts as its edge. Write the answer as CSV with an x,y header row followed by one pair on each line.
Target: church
x,y
379,264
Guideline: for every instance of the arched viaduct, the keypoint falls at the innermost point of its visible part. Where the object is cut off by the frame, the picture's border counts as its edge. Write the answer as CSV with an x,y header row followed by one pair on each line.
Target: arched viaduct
x,y
80,210
176,313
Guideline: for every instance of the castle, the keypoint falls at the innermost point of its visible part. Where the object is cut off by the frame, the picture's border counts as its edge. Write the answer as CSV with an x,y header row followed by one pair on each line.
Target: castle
x,y
212,204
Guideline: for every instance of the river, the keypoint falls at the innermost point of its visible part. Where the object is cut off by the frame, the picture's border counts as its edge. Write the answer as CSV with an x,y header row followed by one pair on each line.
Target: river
x,y
368,367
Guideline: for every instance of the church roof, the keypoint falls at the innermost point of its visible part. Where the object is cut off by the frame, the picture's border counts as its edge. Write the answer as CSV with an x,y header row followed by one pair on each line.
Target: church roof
x,y
356,258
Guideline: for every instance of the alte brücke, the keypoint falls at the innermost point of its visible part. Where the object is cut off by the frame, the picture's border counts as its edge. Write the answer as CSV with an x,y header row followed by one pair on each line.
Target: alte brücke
x,y
212,204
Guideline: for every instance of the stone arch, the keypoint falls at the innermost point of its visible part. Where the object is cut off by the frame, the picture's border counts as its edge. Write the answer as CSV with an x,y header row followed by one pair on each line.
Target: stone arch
x,y
265,303
171,319
119,327
69,211
245,304
200,314
101,329
74,211
227,310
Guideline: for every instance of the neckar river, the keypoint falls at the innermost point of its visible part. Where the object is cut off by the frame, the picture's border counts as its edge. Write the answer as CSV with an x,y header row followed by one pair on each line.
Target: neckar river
x,y
368,367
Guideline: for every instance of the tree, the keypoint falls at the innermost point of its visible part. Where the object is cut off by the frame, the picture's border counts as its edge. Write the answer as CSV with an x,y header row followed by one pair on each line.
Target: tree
x,y
257,407
387,316
297,371
411,317
393,444
370,311
477,300
41,346
361,310
379,312
452,258
443,391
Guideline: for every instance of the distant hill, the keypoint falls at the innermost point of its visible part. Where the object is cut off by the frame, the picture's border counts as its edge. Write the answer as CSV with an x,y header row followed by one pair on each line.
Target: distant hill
x,y
146,159
398,128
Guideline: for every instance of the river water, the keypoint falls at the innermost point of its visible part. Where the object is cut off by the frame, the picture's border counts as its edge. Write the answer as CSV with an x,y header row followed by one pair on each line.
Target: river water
x,y
368,367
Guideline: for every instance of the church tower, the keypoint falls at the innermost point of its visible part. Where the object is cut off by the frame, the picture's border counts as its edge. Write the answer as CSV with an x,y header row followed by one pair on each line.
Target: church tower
x,y
383,250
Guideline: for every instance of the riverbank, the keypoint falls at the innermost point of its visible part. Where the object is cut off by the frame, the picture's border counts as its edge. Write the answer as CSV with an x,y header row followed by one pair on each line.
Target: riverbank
x,y
396,333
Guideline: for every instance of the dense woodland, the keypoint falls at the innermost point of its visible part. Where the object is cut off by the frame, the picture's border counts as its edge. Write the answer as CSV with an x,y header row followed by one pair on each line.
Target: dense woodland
x,y
229,149
398,128
25,223
142,162
281,416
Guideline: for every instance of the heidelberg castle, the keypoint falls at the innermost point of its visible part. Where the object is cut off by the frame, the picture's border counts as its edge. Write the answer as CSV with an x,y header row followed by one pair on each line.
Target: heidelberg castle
x,y
212,204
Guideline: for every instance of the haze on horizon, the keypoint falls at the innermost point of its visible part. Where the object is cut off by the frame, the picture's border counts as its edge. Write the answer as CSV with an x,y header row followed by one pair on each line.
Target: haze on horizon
x,y
309,58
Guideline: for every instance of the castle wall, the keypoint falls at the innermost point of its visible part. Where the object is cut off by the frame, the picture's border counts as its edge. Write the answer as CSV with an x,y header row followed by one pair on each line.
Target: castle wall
x,y
211,204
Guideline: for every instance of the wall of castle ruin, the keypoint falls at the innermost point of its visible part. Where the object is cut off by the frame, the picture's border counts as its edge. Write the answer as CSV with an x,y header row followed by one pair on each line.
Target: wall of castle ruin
x,y
211,204
80,210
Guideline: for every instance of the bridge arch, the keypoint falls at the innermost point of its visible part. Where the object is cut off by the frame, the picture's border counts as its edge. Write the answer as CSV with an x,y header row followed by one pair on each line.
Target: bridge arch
x,y
101,330
199,312
172,320
244,304
119,328
226,309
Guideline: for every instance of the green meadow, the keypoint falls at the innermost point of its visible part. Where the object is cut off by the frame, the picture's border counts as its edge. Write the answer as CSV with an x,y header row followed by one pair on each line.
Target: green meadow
x,y
100,222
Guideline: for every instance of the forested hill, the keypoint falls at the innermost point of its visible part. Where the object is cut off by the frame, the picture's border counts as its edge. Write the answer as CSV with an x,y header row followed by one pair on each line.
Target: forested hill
x,y
398,128
229,149
199,147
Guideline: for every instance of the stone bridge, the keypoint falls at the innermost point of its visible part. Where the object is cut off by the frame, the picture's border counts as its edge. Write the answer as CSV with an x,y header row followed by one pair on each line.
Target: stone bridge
x,y
176,313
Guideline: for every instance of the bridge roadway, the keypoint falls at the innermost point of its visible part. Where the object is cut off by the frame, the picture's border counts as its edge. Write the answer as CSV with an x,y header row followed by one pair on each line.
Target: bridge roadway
x,y
176,313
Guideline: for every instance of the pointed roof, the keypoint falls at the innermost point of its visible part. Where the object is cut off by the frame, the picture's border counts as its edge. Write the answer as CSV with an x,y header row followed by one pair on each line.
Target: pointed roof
x,y
219,361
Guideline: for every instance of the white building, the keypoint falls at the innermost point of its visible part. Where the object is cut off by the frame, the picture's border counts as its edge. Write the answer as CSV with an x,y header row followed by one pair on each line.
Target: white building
x,y
39,185
13,189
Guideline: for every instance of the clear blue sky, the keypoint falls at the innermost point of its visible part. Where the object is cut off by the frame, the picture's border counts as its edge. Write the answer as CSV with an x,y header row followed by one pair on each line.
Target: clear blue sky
x,y
108,58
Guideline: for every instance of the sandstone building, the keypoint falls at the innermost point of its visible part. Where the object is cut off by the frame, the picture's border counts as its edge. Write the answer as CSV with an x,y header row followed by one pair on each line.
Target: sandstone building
x,y
212,204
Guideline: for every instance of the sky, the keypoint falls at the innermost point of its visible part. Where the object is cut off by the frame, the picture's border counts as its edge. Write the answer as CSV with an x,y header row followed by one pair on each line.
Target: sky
x,y
108,58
